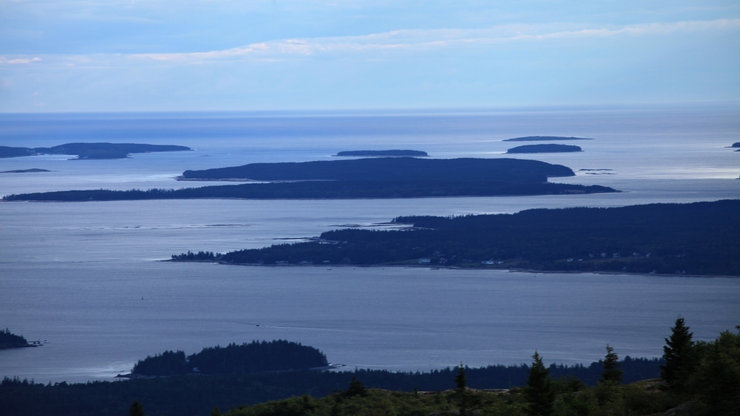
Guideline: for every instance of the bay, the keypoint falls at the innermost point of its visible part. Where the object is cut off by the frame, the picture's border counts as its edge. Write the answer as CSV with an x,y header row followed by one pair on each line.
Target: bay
x,y
87,277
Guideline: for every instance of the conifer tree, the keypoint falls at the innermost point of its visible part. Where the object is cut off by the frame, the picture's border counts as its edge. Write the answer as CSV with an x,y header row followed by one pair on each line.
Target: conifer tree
x,y
461,390
611,372
539,391
679,356
136,409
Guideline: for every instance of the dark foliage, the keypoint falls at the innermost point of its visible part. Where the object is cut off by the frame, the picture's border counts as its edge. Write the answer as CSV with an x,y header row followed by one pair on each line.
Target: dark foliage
x,y
679,355
539,391
611,373
199,394
699,238
199,256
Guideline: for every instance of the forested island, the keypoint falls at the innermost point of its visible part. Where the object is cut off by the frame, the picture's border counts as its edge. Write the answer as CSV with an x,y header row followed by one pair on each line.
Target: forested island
x,y
543,138
383,153
10,340
545,148
700,238
90,150
255,357
396,177
693,377
736,145
32,170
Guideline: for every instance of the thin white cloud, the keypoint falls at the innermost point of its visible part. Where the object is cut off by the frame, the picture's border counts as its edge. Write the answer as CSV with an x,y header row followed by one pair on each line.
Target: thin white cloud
x,y
421,40
18,61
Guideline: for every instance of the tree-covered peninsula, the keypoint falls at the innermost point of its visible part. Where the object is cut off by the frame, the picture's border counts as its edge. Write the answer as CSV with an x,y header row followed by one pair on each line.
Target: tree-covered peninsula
x,y
699,238
90,150
395,177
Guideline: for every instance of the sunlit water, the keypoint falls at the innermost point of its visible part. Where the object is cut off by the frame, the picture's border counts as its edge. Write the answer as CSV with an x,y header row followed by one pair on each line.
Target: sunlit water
x,y
86,277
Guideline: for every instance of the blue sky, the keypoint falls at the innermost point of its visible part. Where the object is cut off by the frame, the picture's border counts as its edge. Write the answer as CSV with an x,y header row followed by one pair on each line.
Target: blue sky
x,y
158,55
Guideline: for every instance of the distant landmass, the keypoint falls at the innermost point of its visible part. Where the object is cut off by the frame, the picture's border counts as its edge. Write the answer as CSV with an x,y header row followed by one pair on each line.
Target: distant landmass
x,y
34,170
383,153
396,177
392,170
255,357
544,138
699,239
736,145
90,150
9,340
545,148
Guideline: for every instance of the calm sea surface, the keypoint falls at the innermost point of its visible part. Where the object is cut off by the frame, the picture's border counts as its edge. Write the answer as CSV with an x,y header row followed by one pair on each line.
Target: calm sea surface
x,y
86,277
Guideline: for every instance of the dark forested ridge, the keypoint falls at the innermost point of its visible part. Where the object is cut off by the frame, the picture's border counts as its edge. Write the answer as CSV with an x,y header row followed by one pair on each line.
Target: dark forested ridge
x,y
545,148
90,150
401,177
699,238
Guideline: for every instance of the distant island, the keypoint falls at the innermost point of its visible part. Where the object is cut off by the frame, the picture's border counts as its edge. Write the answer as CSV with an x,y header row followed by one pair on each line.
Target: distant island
x,y
736,145
545,148
699,239
544,138
34,170
9,340
255,357
90,150
383,153
395,177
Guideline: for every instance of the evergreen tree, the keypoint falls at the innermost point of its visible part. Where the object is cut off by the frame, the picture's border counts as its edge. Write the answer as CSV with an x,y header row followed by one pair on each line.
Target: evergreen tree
x,y
356,388
136,409
539,391
679,356
460,390
611,372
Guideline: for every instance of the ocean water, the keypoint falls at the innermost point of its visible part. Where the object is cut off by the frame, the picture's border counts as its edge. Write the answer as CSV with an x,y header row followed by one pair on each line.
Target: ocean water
x,y
87,279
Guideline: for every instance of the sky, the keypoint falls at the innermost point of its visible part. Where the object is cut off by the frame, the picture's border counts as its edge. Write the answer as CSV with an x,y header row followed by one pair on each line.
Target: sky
x,y
214,55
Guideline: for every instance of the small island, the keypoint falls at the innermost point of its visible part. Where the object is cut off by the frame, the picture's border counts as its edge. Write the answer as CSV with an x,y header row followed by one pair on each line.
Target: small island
x,y
736,145
383,153
90,150
9,340
545,148
255,357
544,138
33,170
